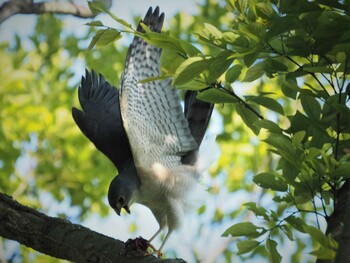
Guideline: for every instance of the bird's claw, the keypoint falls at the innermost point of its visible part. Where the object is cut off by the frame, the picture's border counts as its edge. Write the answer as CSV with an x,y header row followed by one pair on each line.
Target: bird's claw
x,y
141,245
154,251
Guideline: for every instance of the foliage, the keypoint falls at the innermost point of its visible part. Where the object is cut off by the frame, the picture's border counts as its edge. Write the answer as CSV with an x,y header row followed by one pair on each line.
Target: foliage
x,y
279,68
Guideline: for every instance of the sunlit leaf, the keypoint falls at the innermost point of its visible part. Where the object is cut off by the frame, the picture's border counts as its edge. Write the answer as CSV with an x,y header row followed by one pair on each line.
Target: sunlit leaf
x,y
268,103
270,181
247,246
215,95
246,229
258,211
189,69
104,37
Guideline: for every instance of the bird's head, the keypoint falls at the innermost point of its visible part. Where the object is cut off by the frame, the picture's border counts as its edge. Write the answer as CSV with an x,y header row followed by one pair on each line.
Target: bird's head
x,y
123,189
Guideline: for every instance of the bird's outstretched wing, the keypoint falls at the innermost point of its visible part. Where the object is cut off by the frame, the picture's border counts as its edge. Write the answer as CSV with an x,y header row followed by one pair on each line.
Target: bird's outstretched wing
x,y
151,111
100,120
198,115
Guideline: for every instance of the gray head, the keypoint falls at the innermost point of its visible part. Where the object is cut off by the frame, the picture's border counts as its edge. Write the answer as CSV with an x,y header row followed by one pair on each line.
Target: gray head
x,y
123,188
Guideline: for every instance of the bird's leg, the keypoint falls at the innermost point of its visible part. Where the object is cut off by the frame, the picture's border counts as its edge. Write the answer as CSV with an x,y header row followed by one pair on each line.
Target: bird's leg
x,y
154,236
159,251
150,240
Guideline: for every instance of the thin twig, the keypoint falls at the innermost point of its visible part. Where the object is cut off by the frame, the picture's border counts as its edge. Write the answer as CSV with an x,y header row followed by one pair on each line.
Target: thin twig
x,y
240,100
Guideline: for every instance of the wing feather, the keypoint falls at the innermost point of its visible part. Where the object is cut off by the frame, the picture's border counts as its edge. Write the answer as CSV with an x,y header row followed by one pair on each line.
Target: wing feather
x,y
151,111
100,120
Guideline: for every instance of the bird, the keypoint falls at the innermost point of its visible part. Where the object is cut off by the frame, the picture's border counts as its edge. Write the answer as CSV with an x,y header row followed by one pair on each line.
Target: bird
x,y
144,131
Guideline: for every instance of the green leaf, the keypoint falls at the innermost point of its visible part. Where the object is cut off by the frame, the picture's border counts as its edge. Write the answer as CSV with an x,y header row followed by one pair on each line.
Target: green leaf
x,y
273,254
248,117
254,72
318,70
324,253
287,231
95,23
298,7
104,37
170,61
201,209
168,42
229,36
214,95
246,246
189,69
298,137
290,88
343,171
264,10
281,25
97,7
270,181
246,229
250,58
258,211
218,66
233,73
213,31
311,106
268,103
193,85
273,66
284,146
325,241
268,125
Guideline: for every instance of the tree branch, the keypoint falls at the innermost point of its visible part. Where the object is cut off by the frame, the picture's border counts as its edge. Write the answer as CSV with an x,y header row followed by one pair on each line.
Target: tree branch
x,y
61,239
14,7
337,226
343,253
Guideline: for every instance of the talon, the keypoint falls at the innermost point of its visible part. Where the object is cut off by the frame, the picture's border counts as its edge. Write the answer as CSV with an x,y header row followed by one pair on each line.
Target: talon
x,y
154,251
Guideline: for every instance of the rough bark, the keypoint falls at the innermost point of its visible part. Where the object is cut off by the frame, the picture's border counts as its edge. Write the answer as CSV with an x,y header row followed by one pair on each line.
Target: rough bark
x,y
14,7
61,239
338,224
343,254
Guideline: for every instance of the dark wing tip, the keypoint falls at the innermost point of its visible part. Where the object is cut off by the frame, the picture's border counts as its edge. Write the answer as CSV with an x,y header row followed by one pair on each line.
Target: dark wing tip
x,y
78,117
153,20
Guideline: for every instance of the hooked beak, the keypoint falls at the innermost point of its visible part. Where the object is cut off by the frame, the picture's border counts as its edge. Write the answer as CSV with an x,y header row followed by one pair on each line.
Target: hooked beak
x,y
127,209
118,210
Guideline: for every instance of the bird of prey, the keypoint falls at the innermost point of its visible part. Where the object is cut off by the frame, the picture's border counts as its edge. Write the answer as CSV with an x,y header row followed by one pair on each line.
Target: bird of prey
x,y
143,130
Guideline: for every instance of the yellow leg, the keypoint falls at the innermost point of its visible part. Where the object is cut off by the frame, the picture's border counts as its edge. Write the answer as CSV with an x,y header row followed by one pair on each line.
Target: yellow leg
x,y
158,251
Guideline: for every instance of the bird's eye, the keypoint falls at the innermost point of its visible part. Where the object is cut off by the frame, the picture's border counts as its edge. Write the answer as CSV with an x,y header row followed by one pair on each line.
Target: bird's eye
x,y
121,199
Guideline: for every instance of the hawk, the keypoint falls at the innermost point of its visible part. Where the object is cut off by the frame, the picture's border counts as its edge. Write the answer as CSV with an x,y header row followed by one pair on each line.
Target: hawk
x,y
143,130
